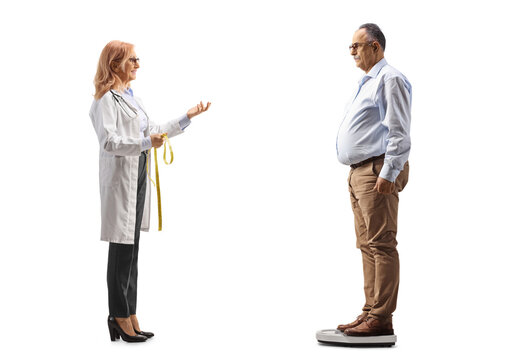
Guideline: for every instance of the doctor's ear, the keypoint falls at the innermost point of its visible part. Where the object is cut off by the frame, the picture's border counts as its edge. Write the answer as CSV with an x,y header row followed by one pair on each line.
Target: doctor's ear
x,y
114,66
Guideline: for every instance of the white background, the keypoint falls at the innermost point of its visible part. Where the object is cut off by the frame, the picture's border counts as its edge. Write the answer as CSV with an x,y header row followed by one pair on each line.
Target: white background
x,y
257,251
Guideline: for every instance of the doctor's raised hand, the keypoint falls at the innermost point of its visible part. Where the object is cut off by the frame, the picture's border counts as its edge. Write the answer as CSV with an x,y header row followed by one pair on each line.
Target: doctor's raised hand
x,y
198,109
126,133
158,139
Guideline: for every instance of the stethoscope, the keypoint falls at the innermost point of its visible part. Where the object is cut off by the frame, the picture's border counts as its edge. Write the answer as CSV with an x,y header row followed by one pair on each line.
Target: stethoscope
x,y
120,100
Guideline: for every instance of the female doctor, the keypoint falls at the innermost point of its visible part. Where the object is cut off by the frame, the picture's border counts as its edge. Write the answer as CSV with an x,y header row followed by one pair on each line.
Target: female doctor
x,y
125,134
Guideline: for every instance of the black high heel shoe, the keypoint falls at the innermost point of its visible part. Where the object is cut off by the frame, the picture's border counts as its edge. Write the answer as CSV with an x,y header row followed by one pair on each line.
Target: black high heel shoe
x,y
116,332
145,333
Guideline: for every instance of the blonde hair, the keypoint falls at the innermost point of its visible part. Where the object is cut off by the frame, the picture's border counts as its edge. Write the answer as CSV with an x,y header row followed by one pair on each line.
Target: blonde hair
x,y
114,55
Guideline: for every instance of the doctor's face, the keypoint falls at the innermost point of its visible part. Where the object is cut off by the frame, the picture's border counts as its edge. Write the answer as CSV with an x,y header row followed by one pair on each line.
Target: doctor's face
x,y
131,67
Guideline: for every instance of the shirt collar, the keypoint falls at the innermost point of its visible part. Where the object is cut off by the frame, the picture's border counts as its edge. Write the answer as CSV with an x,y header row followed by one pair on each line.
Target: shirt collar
x,y
377,68
129,92
123,92
374,71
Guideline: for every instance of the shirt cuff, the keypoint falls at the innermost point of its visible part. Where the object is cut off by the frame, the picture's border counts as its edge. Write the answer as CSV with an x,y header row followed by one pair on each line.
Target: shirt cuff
x,y
146,143
184,122
388,173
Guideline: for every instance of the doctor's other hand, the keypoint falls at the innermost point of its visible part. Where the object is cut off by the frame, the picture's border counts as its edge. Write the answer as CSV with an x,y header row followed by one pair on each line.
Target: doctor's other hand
x,y
157,140
198,109
384,186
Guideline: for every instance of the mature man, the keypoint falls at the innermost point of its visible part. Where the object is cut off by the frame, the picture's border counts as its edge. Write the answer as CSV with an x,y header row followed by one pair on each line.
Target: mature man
x,y
374,139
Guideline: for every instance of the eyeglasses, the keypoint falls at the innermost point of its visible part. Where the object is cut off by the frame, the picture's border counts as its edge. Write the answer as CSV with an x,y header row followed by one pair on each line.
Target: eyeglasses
x,y
133,60
354,46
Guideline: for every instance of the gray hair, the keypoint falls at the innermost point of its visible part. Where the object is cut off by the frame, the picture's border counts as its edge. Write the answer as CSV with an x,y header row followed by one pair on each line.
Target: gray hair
x,y
374,34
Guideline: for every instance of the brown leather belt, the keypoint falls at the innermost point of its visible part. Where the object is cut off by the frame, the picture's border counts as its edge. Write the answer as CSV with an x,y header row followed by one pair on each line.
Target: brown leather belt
x,y
354,166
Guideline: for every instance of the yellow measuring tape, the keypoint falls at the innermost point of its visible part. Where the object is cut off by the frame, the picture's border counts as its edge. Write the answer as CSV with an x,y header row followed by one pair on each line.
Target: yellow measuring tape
x,y
166,142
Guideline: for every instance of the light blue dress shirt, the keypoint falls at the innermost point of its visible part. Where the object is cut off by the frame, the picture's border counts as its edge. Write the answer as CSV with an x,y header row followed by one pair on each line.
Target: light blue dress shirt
x,y
377,121
146,141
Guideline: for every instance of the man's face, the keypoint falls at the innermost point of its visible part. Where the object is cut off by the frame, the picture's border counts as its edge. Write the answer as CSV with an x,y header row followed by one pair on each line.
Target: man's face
x,y
363,51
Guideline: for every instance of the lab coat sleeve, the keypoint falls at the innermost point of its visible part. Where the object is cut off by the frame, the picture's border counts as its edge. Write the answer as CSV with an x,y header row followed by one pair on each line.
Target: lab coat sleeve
x,y
172,127
113,139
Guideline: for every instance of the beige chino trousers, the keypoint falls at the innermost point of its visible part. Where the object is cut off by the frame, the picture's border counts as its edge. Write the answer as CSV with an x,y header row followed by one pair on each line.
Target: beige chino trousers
x,y
375,218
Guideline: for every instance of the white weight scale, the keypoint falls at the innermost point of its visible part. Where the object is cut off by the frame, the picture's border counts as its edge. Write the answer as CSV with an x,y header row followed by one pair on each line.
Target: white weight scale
x,y
336,337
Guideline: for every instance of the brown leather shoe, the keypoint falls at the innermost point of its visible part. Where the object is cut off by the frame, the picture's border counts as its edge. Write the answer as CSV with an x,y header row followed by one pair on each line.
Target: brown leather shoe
x,y
355,323
371,327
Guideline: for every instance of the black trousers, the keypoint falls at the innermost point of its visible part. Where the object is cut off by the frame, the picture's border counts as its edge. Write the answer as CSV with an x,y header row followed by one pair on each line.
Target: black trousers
x,y
122,265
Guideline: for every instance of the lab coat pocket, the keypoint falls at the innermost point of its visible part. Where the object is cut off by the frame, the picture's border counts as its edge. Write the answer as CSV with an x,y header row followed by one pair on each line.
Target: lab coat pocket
x,y
111,171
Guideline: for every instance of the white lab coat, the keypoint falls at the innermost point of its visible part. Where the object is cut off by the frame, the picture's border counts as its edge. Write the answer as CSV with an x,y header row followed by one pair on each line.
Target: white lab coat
x,y
117,124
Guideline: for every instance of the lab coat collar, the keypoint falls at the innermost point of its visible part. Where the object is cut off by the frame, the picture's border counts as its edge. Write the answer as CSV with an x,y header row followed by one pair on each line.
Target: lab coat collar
x,y
118,97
